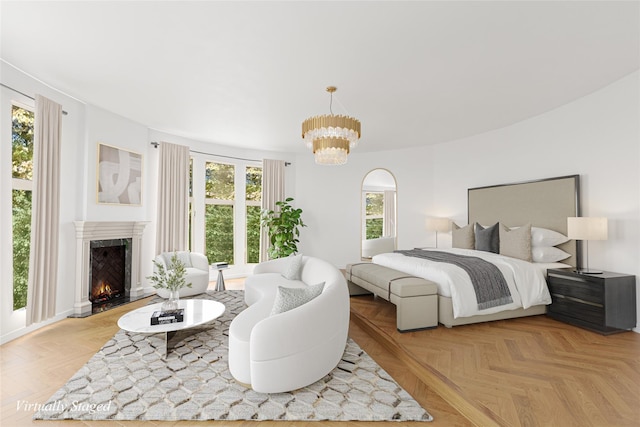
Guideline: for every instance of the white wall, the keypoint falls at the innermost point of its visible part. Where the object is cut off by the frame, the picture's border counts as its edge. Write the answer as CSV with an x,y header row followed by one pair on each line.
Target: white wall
x,y
597,137
330,199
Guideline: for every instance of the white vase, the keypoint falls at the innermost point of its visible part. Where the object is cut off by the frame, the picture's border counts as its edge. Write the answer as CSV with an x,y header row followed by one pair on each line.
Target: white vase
x,y
172,302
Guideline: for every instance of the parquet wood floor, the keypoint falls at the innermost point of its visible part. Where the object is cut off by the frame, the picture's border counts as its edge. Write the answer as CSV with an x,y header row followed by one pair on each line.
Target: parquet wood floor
x,y
533,371
35,366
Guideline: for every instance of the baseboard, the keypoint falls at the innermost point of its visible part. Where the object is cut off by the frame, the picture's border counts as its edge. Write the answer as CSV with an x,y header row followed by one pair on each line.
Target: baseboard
x,y
28,329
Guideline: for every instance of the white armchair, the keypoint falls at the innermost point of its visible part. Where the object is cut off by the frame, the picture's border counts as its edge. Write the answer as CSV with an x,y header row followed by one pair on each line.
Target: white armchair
x,y
197,274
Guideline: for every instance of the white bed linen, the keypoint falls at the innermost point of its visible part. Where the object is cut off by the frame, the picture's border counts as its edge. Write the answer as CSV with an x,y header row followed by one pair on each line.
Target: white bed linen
x,y
526,280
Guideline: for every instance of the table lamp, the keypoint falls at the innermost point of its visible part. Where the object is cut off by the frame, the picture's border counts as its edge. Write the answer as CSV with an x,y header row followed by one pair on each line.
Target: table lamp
x,y
438,224
587,228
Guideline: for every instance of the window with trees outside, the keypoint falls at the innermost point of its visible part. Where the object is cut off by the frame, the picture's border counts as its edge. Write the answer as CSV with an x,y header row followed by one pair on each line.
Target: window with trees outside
x,y
191,210
22,188
374,214
253,191
219,215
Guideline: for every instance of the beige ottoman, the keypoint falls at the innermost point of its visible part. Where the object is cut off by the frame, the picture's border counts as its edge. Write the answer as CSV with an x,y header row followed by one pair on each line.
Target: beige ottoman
x,y
416,299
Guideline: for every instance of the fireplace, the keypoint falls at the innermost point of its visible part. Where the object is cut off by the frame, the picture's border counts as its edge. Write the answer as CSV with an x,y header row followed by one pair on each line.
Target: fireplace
x,y
108,264
110,273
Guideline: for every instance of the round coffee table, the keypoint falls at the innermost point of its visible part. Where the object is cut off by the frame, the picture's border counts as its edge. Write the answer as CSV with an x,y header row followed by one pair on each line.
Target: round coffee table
x,y
196,312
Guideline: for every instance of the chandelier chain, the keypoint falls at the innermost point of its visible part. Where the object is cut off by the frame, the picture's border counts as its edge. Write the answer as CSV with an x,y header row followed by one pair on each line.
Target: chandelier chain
x,y
331,103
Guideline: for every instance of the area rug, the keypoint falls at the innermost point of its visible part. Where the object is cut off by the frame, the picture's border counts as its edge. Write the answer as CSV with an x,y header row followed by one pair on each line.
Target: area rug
x,y
129,379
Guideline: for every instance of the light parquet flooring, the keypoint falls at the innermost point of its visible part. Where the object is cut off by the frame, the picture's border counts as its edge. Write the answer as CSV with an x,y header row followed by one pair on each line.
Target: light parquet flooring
x,y
532,371
35,366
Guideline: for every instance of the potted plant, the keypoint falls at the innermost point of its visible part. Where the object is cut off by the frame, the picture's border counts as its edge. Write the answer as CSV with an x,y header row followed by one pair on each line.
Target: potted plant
x,y
171,278
282,228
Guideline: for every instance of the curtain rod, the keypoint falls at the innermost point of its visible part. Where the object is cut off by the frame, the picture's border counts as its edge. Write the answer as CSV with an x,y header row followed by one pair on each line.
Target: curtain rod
x,y
24,94
155,145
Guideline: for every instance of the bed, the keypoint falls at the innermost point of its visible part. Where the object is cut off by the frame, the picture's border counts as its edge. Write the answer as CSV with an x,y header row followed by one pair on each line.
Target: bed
x,y
545,204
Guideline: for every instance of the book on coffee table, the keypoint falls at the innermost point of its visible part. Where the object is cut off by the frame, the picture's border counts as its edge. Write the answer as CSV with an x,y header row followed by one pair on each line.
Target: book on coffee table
x,y
170,316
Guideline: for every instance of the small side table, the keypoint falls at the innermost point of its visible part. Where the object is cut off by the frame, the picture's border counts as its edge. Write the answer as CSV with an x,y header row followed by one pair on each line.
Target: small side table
x,y
220,282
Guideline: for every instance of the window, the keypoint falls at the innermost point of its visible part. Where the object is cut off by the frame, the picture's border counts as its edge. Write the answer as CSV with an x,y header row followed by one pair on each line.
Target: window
x,y
191,210
253,191
22,187
374,214
219,212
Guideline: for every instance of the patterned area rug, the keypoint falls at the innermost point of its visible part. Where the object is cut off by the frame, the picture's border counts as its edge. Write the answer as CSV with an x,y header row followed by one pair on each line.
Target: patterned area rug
x,y
128,379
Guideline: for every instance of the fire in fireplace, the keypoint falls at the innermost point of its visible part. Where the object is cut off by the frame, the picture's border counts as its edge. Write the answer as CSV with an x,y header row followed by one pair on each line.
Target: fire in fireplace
x,y
104,292
110,273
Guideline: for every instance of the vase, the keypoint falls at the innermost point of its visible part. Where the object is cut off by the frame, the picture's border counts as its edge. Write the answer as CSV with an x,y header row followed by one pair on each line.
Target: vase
x,y
172,302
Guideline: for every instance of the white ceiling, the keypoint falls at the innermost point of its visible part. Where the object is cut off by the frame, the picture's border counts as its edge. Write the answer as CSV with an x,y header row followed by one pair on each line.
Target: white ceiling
x,y
247,74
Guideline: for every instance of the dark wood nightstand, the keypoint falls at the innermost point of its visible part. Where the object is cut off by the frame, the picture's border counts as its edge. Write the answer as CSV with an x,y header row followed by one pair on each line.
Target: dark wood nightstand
x,y
603,303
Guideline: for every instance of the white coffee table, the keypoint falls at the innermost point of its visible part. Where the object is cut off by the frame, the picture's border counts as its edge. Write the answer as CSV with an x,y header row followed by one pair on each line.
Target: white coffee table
x,y
196,312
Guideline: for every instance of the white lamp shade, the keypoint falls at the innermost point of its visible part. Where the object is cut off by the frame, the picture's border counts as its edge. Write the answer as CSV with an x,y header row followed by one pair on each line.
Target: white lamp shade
x,y
587,228
438,224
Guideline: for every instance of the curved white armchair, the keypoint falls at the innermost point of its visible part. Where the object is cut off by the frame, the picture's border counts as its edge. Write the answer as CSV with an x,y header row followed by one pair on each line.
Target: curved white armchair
x,y
290,350
197,273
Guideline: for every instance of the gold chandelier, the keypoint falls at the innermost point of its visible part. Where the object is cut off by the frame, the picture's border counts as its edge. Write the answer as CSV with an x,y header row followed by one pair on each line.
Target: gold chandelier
x,y
331,137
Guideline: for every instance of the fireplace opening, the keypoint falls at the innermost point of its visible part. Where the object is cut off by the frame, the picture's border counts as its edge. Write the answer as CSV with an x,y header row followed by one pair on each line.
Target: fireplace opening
x,y
110,276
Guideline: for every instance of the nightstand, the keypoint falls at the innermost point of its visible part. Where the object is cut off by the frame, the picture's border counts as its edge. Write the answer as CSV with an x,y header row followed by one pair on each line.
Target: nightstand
x,y
603,303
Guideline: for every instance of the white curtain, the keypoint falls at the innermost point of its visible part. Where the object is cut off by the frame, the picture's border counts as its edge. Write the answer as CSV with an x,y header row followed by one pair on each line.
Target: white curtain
x,y
172,232
389,213
272,192
45,211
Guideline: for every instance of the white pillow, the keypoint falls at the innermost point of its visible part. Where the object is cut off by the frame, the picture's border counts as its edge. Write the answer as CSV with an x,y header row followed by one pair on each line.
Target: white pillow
x,y
290,298
183,256
548,254
541,237
294,269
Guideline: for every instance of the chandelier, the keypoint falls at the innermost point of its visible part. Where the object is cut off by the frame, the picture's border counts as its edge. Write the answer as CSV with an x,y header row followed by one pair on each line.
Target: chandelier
x,y
331,137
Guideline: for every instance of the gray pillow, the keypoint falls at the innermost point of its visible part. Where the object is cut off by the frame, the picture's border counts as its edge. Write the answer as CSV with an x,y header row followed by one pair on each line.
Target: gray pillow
x,y
290,298
294,269
488,239
516,243
463,238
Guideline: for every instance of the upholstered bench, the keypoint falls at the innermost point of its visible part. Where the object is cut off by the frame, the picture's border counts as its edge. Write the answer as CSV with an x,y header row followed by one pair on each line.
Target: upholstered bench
x,y
416,299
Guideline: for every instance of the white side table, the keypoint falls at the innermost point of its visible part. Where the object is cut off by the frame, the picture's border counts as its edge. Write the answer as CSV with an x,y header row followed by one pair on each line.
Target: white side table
x,y
196,312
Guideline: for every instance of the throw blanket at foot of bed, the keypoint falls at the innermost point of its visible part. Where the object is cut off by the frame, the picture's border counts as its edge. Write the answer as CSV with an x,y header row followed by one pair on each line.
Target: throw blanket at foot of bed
x,y
488,282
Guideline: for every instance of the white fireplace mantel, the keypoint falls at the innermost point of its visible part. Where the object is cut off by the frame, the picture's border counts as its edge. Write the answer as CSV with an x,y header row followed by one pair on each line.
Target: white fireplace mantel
x,y
88,231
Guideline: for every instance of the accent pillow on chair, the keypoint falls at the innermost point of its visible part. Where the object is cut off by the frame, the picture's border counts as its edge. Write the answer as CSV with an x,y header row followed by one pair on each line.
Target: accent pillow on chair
x,y
293,270
290,298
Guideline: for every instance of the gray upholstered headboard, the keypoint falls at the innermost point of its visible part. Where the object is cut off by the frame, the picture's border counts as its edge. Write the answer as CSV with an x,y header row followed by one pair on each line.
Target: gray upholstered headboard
x,y
544,203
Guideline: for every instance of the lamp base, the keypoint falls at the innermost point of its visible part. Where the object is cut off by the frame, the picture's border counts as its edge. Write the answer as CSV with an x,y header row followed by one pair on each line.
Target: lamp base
x,y
585,271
